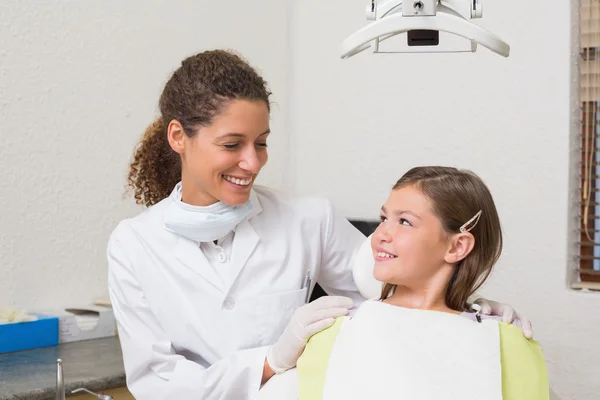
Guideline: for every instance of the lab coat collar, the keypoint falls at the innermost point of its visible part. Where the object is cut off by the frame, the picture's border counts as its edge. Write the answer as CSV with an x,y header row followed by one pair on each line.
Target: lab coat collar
x,y
244,243
190,254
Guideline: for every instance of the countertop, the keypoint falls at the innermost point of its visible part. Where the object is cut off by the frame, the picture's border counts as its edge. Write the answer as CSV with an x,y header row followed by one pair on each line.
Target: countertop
x,y
93,364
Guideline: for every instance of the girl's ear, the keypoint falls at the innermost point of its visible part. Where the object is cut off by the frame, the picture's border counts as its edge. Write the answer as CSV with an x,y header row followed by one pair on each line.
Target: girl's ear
x,y
460,246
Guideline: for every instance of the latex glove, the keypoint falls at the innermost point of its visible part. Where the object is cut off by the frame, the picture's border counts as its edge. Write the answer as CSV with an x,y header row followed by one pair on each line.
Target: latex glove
x,y
508,314
307,320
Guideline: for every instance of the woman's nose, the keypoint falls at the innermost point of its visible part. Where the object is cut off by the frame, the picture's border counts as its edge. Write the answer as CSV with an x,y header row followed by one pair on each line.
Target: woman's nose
x,y
250,162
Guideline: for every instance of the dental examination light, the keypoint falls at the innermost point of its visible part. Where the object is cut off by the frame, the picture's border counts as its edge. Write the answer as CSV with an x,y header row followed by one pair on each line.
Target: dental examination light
x,y
422,21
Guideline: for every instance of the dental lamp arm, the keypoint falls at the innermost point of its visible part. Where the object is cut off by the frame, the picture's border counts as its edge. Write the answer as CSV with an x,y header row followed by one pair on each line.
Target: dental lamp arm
x,y
450,16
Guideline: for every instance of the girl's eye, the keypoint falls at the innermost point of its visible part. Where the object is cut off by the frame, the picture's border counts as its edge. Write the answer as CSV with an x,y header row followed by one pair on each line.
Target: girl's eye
x,y
382,218
404,222
231,146
261,144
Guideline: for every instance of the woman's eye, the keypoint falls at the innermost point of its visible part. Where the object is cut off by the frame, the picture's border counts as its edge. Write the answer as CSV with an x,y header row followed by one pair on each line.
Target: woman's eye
x,y
382,218
231,146
261,144
404,222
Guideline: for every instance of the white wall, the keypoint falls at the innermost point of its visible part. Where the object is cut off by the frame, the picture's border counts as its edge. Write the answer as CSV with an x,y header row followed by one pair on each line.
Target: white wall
x,y
368,119
79,83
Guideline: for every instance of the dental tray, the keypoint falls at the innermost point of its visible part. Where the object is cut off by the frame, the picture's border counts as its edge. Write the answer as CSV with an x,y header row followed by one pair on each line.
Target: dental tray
x,y
17,336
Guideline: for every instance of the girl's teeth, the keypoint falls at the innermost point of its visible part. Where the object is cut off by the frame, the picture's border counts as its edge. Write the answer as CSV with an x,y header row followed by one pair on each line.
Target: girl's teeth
x,y
387,255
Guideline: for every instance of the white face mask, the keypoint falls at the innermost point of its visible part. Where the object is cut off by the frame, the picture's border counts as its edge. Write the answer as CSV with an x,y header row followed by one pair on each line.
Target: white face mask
x,y
203,224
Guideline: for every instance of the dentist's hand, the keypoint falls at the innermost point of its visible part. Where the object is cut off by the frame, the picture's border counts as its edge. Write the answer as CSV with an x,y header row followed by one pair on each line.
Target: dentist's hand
x,y
306,321
508,314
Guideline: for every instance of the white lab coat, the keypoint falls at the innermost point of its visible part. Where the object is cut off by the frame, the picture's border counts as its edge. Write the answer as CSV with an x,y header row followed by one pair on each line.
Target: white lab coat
x,y
187,334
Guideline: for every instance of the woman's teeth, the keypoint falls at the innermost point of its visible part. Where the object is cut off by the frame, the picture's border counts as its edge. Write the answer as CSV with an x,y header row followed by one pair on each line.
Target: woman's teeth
x,y
241,182
382,254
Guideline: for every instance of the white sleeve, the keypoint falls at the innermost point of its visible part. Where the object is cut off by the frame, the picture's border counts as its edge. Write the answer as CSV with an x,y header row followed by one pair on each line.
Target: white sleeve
x,y
153,370
342,241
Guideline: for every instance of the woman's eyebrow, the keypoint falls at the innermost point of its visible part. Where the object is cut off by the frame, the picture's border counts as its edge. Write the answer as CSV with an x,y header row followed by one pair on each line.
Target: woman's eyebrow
x,y
241,135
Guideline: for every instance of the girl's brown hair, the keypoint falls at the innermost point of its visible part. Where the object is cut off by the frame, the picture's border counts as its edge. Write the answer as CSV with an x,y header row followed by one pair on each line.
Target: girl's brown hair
x,y
457,196
196,92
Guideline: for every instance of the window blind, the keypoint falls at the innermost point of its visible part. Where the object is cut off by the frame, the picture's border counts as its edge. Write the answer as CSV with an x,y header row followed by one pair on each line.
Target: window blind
x,y
588,271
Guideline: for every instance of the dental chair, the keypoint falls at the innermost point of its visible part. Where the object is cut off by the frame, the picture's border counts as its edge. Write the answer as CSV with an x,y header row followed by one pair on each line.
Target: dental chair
x,y
367,227
362,272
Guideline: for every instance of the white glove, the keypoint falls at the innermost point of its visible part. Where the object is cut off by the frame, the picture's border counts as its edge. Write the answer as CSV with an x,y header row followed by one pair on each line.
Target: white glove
x,y
306,321
508,314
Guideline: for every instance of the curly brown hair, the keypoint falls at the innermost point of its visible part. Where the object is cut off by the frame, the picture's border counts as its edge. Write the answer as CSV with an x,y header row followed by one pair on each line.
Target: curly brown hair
x,y
196,93
457,195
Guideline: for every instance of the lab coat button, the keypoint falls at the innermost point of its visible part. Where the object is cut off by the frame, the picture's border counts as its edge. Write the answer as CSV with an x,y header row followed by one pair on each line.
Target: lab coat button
x,y
229,304
222,257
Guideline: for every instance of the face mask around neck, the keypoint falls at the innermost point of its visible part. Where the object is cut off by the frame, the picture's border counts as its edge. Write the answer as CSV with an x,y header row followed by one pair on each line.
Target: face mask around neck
x,y
203,224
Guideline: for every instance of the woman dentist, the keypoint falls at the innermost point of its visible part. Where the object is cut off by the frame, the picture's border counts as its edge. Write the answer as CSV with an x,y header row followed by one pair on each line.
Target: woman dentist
x,y
209,284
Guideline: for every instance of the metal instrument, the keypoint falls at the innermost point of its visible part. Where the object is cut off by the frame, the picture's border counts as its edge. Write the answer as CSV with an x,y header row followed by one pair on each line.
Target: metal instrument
x,y
100,396
60,381
60,385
